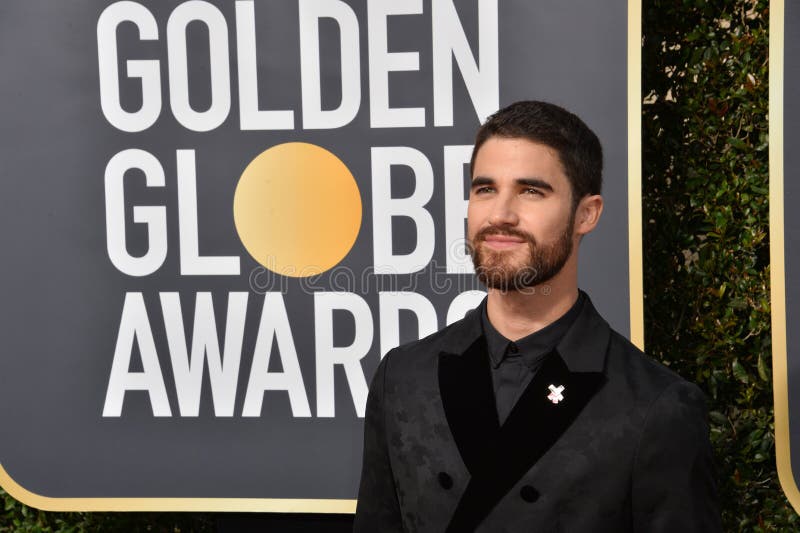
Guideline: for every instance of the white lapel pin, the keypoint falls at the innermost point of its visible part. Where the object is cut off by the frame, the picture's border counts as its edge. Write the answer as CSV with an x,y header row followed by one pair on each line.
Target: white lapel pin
x,y
555,395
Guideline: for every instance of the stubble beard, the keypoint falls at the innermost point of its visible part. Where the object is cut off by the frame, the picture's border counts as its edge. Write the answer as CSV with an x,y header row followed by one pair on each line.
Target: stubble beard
x,y
502,271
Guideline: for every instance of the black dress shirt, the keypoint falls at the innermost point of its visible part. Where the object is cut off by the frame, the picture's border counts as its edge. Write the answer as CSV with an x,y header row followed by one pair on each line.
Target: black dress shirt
x,y
514,363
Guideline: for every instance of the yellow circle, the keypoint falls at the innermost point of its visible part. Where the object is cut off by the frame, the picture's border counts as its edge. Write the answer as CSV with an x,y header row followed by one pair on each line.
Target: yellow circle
x,y
297,209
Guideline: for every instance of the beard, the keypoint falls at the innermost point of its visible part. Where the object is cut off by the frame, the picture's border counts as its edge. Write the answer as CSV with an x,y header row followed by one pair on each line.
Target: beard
x,y
502,271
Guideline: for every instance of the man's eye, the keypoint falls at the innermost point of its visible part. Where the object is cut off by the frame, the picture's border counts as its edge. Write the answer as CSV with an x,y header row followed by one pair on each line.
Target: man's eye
x,y
483,189
531,190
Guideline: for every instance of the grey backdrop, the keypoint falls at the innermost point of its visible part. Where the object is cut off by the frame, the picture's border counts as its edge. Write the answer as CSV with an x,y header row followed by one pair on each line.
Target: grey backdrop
x,y
62,298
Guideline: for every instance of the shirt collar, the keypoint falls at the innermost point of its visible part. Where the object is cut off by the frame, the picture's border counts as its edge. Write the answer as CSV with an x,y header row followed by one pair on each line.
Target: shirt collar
x,y
534,346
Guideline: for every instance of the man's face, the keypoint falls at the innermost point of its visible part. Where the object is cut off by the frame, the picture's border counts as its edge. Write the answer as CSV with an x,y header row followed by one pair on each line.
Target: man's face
x,y
520,218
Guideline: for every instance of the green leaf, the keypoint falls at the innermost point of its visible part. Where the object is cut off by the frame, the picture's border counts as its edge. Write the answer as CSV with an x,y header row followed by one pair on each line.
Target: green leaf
x,y
737,143
763,370
718,418
739,372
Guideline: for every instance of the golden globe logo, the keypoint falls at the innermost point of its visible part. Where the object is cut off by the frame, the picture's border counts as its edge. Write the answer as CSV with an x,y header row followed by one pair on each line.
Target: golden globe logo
x,y
297,207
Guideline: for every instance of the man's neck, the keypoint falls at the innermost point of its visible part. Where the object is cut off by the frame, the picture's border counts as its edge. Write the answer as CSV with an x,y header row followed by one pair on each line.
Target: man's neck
x,y
518,314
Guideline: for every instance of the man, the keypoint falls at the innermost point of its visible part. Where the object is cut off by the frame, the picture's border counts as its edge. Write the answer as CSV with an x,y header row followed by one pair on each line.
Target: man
x,y
531,414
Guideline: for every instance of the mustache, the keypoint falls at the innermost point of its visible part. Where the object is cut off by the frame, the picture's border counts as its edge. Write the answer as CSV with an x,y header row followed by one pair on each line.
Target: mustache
x,y
507,232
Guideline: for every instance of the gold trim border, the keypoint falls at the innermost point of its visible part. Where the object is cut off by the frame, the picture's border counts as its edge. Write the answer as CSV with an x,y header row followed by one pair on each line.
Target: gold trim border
x,y
334,506
264,505
780,378
635,256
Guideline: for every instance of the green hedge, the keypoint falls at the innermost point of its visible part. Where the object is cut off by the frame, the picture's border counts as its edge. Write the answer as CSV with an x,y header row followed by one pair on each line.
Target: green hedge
x,y
18,518
706,253
706,245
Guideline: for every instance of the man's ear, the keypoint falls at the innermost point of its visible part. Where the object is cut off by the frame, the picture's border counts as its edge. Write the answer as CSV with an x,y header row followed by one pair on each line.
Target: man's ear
x,y
587,214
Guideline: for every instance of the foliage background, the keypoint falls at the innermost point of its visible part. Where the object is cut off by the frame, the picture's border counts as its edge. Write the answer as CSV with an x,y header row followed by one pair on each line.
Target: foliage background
x,y
706,240
706,254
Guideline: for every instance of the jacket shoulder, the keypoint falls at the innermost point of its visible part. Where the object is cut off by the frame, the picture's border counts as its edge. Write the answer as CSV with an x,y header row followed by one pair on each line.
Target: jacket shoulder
x,y
645,376
428,348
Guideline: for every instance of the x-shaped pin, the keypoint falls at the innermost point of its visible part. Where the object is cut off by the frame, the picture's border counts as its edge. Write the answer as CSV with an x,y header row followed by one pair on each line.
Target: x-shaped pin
x,y
555,395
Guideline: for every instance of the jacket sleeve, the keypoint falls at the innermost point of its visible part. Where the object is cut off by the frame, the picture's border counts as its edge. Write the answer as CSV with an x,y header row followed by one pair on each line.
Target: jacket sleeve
x,y
673,487
378,508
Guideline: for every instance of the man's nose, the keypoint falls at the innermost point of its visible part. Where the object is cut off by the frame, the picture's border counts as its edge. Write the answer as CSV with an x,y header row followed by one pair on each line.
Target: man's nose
x,y
503,214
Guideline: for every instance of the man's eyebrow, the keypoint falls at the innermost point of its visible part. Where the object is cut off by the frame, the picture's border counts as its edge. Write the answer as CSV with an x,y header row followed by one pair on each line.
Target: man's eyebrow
x,y
539,183
481,180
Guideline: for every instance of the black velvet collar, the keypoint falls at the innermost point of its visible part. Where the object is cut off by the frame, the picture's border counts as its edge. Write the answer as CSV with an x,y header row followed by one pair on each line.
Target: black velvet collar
x,y
534,424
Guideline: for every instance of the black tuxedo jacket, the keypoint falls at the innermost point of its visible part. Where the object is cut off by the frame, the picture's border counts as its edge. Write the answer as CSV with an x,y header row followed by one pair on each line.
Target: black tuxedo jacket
x,y
626,449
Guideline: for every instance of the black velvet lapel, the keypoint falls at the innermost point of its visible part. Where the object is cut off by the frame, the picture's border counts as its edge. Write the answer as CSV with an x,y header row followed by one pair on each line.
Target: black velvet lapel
x,y
465,386
498,457
533,426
